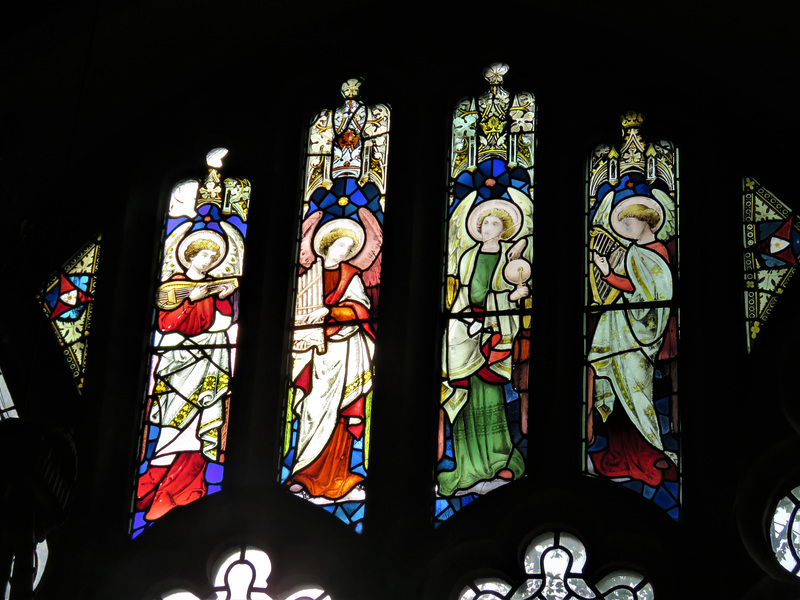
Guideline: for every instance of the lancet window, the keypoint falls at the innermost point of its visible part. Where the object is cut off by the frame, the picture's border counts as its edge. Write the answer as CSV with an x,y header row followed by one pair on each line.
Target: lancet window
x,y
326,441
487,294
193,347
631,319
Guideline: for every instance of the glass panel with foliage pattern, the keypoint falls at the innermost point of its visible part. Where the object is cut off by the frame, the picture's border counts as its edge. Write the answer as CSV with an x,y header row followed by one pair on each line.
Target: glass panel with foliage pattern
x,y
554,569
784,534
243,574
486,345
325,453
193,350
771,253
67,299
631,321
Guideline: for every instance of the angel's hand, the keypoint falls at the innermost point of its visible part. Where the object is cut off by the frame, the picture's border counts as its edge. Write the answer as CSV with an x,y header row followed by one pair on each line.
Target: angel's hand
x,y
601,262
522,291
316,316
198,293
226,290
516,250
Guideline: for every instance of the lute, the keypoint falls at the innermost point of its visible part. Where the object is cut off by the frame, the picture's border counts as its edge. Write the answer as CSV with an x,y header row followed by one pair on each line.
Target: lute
x,y
170,295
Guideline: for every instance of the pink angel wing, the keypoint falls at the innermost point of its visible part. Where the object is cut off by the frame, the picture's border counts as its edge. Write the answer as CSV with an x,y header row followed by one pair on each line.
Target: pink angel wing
x,y
372,276
372,244
307,257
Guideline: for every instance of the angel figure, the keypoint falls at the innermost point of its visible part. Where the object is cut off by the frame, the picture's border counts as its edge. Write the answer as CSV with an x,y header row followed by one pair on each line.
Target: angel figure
x,y
191,369
490,277
333,348
628,341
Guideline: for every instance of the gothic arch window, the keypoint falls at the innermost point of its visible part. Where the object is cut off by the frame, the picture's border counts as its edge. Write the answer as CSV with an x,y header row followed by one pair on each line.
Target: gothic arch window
x,y
488,278
193,347
326,439
631,319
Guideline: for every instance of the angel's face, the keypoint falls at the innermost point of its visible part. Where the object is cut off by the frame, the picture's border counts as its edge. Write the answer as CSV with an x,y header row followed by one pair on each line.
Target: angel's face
x,y
202,261
633,229
491,228
340,249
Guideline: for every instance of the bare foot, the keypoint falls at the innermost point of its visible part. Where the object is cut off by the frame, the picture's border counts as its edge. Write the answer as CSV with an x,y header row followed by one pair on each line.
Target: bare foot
x,y
506,474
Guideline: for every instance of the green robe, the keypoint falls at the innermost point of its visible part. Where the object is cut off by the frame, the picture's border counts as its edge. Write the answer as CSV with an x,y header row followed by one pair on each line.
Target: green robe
x,y
482,444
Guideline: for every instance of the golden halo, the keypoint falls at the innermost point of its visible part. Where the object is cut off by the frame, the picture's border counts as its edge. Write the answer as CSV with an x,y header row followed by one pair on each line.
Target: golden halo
x,y
479,210
349,224
644,201
203,234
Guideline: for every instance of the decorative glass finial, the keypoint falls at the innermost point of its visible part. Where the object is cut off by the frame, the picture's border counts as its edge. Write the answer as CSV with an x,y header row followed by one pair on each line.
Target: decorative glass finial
x,y
494,73
214,158
632,119
351,88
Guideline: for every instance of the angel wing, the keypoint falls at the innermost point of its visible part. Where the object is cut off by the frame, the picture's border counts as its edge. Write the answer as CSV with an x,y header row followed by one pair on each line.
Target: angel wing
x,y
170,266
458,239
526,231
602,216
668,229
231,265
307,256
372,276
373,240
603,240
602,220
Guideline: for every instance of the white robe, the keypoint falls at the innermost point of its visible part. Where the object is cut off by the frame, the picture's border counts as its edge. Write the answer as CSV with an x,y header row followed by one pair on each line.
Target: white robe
x,y
339,377
626,342
197,370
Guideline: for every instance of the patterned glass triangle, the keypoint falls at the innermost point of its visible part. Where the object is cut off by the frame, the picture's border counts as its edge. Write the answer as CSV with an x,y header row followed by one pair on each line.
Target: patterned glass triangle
x,y
771,251
68,299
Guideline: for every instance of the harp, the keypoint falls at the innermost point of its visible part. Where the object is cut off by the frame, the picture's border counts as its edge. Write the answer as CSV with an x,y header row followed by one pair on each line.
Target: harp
x,y
310,297
603,243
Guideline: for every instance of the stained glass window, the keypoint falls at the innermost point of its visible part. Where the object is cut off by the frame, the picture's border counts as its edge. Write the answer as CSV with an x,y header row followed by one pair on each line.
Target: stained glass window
x,y
7,410
486,346
631,321
554,564
785,532
771,251
193,351
67,299
242,574
326,440
40,555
